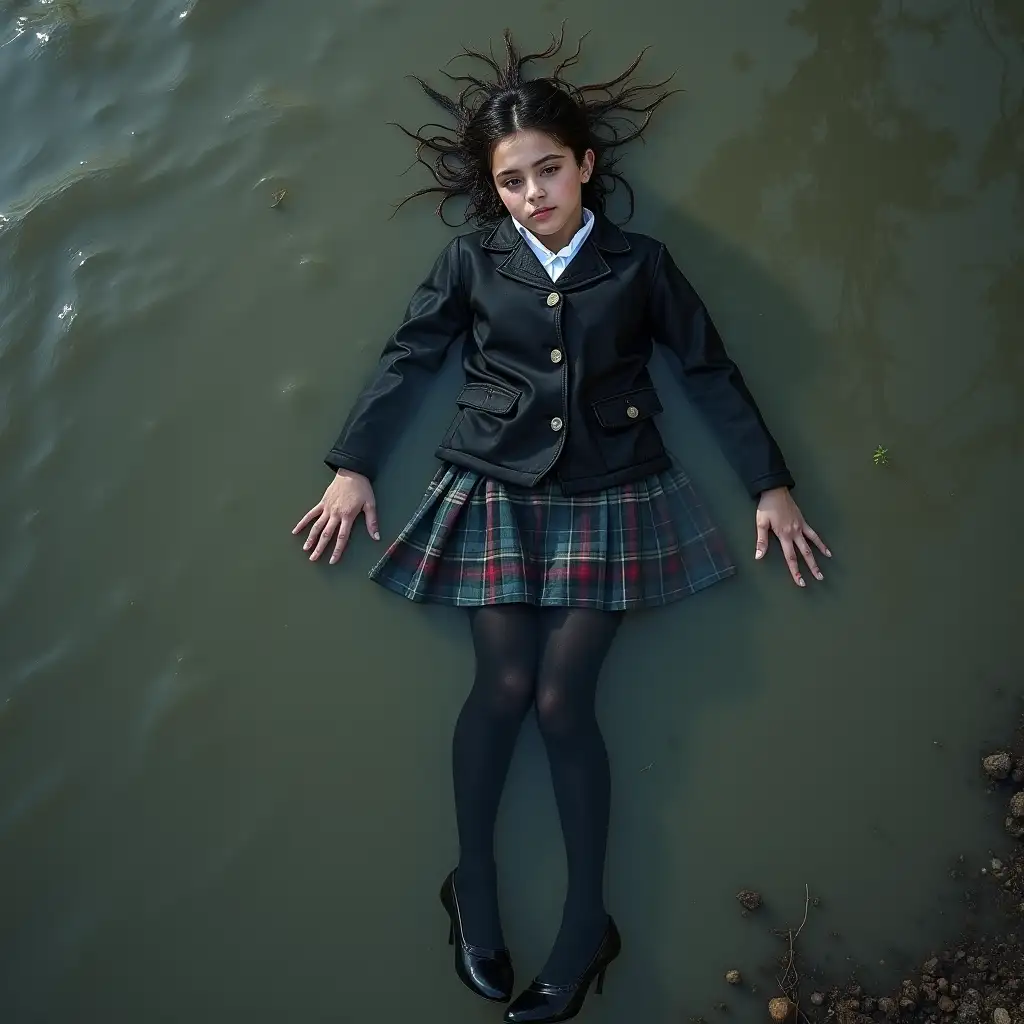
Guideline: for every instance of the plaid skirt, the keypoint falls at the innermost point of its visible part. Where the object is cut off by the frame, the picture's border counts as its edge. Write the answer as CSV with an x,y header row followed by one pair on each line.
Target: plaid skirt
x,y
477,541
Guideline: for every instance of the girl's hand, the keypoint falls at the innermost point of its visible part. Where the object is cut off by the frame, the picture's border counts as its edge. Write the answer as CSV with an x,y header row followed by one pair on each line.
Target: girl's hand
x,y
347,496
778,511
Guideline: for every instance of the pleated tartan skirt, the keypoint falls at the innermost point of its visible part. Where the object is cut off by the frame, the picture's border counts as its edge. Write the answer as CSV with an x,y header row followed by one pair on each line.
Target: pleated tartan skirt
x,y
475,541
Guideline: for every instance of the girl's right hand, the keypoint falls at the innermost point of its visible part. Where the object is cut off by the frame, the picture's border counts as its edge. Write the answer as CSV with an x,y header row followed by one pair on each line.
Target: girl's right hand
x,y
347,496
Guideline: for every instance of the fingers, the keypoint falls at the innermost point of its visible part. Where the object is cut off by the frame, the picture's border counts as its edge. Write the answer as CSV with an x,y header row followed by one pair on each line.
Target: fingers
x,y
805,550
315,511
344,529
762,539
370,512
314,532
818,542
325,537
791,560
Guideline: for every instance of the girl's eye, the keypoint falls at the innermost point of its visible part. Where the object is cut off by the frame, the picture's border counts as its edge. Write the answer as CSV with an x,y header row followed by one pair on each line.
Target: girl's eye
x,y
551,169
511,182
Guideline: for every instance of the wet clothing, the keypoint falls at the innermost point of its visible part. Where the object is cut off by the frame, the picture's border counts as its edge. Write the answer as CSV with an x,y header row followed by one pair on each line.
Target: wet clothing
x,y
556,374
478,541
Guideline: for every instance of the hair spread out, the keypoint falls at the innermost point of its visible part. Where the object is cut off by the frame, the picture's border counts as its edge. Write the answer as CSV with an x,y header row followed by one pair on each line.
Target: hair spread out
x,y
602,117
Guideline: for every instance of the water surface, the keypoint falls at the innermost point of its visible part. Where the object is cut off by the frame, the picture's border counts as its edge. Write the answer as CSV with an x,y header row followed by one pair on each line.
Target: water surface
x,y
224,778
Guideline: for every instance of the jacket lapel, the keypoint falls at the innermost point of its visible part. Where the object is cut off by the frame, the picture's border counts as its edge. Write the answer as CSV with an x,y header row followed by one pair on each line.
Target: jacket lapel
x,y
587,266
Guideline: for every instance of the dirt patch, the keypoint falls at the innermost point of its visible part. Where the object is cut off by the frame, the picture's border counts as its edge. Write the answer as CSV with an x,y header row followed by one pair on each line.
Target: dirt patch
x,y
976,979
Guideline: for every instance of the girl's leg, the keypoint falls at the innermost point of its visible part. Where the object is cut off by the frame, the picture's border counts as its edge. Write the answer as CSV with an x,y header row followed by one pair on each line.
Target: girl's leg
x,y
573,647
506,642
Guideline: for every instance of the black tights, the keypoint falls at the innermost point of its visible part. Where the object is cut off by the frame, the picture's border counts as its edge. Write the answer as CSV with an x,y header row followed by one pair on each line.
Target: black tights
x,y
550,657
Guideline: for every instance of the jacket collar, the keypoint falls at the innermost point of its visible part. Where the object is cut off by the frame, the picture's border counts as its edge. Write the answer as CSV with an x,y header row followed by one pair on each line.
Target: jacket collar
x,y
588,265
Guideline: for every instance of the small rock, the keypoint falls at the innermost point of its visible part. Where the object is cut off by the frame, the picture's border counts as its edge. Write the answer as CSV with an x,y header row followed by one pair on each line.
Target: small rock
x,y
910,991
749,899
907,1005
969,1013
887,1006
870,1005
780,1008
997,865
930,992
733,977
1000,1016
1018,771
997,766
931,966
946,1005
1017,804
817,999
942,985
1015,827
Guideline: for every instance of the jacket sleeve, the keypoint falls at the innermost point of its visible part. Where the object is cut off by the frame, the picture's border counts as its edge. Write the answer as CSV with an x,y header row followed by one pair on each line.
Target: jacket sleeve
x,y
438,314
712,380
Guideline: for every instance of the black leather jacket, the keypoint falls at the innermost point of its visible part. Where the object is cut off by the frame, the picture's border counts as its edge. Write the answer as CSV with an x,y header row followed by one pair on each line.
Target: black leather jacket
x,y
556,374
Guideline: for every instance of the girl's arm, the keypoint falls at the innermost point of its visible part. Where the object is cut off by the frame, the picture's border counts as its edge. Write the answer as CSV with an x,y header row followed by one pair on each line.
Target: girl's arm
x,y
680,321
437,315
713,381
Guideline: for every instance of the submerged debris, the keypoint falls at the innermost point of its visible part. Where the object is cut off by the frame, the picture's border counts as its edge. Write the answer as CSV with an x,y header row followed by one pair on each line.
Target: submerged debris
x,y
978,979
749,899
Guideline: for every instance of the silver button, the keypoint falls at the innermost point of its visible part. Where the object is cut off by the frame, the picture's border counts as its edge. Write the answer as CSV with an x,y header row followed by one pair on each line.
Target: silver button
x,y
553,299
556,355
556,423
632,411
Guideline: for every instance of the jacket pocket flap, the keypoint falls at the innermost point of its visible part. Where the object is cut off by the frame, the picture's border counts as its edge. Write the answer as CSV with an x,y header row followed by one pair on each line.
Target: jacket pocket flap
x,y
488,398
627,409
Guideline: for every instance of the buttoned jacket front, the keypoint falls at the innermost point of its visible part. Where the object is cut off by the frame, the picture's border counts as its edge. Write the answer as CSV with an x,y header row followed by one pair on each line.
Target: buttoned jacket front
x,y
557,378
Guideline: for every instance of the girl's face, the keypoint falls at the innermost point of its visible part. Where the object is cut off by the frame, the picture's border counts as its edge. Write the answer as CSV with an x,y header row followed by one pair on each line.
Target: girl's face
x,y
540,184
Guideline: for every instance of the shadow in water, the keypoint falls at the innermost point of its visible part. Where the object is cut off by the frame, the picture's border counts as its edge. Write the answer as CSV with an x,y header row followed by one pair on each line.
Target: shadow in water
x,y
846,168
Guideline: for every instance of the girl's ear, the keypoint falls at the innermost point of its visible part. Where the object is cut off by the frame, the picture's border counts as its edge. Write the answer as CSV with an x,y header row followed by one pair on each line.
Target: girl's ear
x,y
587,165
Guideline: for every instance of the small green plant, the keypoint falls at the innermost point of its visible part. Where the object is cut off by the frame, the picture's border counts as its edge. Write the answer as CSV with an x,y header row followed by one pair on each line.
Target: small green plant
x,y
881,456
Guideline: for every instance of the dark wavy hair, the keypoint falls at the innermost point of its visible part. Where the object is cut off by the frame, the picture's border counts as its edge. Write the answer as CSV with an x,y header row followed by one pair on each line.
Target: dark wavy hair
x,y
602,117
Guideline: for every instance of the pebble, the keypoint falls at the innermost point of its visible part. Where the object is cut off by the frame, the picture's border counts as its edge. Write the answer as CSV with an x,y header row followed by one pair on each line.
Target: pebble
x,y
887,1006
733,977
946,1005
817,999
1017,804
932,966
749,899
1000,1016
780,1008
997,766
997,864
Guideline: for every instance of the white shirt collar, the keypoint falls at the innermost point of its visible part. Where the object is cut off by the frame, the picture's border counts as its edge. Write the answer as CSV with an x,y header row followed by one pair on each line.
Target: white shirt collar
x,y
556,262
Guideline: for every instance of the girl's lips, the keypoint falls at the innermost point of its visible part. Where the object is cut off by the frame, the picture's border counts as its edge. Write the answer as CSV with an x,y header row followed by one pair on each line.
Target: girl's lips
x,y
541,214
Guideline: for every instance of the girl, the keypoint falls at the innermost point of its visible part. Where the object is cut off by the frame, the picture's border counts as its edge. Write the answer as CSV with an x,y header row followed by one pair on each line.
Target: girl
x,y
556,507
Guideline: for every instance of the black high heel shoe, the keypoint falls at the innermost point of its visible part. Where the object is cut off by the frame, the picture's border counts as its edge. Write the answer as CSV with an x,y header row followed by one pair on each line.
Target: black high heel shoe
x,y
487,972
546,1004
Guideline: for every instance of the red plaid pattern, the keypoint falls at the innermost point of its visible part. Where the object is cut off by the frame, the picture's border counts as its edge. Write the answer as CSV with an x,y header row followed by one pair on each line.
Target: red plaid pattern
x,y
477,541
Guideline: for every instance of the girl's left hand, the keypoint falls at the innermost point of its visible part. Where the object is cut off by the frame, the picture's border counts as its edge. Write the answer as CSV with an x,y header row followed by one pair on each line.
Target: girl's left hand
x,y
777,511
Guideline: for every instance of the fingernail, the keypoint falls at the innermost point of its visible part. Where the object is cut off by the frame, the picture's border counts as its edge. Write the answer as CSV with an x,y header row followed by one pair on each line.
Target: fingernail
x,y
829,553
757,554
800,582
376,536
332,560
819,576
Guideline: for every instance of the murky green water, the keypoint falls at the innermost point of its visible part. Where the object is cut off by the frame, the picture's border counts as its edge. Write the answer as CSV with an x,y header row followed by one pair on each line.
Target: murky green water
x,y
224,778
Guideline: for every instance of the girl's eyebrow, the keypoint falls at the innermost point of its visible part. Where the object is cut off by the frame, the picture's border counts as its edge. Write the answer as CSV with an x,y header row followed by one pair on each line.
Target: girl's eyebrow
x,y
536,163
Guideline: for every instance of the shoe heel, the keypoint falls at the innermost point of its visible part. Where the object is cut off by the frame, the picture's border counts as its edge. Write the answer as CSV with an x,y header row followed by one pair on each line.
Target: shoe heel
x,y
600,981
451,933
